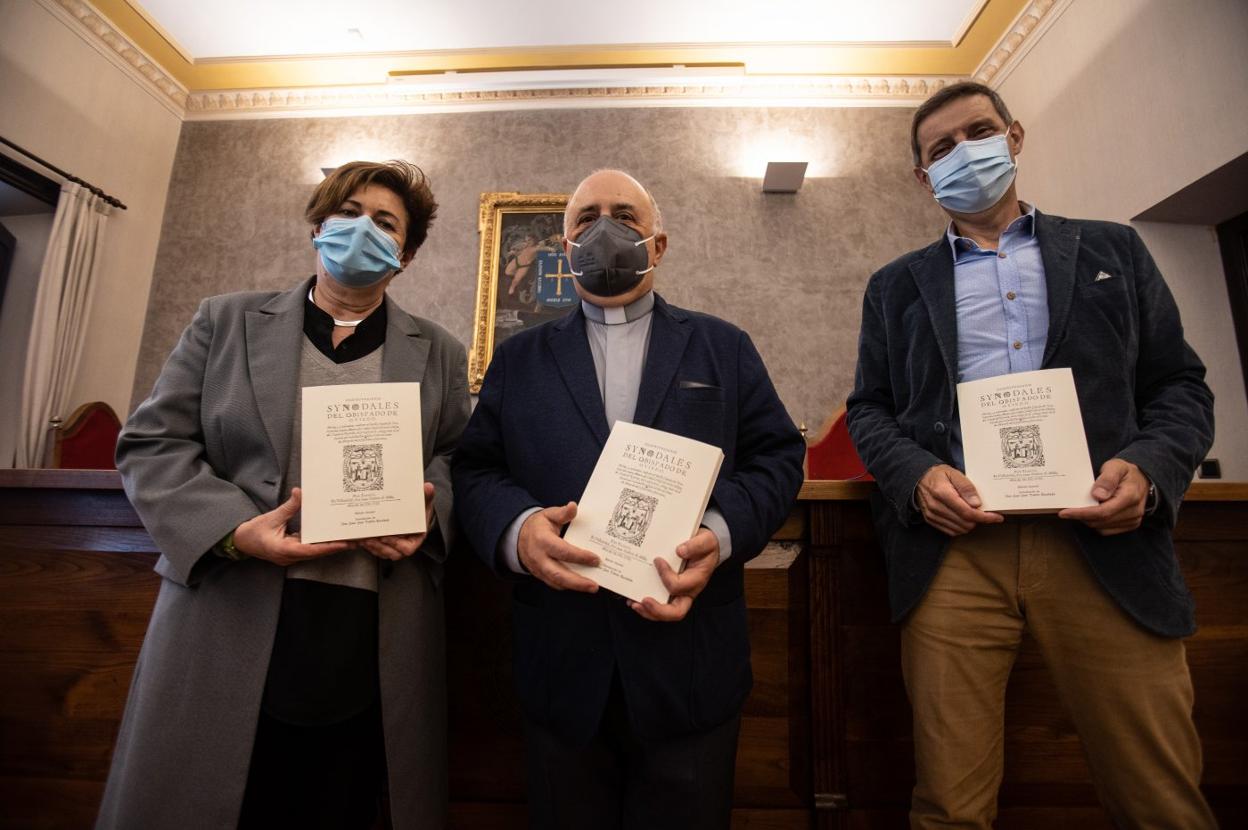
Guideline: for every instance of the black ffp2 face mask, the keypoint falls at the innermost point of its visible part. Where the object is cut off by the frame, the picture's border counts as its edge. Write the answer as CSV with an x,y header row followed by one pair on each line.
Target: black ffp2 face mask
x,y
610,258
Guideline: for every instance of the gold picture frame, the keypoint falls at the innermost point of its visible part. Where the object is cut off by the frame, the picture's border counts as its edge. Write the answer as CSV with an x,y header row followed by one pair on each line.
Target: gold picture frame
x,y
521,235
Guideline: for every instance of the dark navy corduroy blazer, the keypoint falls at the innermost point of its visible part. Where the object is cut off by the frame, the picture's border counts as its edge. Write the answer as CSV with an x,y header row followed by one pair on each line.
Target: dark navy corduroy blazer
x,y
534,439
1141,392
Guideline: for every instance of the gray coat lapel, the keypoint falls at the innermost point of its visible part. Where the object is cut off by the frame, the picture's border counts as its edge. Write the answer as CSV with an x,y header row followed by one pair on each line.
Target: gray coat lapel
x,y
1059,250
404,360
274,335
407,353
933,274
668,338
568,343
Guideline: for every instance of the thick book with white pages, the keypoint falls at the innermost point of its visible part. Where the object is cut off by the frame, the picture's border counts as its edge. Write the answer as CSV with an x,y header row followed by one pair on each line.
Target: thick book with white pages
x,y
362,468
1024,444
646,496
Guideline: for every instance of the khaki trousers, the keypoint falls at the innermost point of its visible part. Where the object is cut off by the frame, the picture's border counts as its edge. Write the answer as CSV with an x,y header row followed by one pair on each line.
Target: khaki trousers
x,y
1127,690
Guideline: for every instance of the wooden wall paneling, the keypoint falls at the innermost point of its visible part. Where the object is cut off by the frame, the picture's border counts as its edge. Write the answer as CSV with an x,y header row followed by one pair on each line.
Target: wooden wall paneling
x,y
76,591
827,718
825,734
746,818
1212,545
67,508
1211,521
773,754
800,718
878,753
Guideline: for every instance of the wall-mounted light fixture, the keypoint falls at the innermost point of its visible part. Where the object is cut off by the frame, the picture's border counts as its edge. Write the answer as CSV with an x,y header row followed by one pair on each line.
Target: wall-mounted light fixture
x,y
784,176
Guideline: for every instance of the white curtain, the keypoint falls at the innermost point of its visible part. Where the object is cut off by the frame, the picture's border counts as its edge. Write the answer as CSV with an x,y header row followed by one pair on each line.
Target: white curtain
x,y
59,323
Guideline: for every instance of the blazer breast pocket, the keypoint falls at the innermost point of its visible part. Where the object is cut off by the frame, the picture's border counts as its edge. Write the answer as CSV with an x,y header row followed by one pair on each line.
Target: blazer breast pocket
x,y
1101,313
1102,283
696,390
1108,291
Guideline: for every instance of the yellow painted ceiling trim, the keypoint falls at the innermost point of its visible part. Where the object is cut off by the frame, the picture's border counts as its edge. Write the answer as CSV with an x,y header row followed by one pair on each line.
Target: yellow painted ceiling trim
x,y
794,59
144,35
163,33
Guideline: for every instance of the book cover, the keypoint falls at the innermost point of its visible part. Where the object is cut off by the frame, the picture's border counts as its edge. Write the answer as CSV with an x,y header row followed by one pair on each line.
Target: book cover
x,y
362,462
1024,444
646,496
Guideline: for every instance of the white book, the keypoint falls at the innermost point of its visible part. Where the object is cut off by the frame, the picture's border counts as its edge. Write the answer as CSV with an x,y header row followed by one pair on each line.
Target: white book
x,y
646,496
1024,444
362,462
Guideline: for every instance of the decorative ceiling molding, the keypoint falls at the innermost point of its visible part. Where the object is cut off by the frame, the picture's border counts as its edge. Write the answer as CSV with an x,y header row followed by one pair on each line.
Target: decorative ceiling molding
x,y
1023,34
83,19
395,98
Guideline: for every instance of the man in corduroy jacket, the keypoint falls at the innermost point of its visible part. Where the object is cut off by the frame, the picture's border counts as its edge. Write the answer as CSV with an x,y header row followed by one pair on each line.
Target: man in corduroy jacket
x,y
1010,289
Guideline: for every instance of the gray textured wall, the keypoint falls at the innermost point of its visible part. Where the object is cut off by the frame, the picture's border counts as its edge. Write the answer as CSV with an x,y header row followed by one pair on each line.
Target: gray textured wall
x,y
788,269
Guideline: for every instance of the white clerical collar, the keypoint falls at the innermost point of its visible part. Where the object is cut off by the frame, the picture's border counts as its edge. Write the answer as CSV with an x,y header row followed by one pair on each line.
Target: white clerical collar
x,y
616,315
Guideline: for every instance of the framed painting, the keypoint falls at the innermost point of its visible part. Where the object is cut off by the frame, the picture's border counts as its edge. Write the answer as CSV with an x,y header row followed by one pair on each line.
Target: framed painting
x,y
523,278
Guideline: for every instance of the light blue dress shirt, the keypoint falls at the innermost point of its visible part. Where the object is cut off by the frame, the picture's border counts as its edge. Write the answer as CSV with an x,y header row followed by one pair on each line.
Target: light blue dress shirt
x,y
619,340
1002,306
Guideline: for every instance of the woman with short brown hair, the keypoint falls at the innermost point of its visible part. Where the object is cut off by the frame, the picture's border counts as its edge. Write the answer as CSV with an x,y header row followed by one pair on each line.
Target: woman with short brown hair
x,y
281,682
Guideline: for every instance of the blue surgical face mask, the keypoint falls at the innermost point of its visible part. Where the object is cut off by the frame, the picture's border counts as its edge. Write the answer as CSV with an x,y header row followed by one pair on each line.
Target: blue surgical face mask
x,y
974,175
356,252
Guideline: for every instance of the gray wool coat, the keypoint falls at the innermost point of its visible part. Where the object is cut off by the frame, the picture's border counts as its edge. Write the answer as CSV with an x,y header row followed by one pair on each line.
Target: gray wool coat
x,y
207,451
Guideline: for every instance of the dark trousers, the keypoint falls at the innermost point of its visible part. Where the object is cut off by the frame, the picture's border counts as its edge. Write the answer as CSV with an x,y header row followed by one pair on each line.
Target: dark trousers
x,y
622,781
315,776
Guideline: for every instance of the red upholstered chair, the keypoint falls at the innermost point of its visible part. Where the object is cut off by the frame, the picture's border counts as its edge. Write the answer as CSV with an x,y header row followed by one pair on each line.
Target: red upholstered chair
x,y
831,455
86,440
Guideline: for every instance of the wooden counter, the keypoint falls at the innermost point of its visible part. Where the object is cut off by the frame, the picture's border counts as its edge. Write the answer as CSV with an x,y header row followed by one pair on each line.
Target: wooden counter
x,y
825,736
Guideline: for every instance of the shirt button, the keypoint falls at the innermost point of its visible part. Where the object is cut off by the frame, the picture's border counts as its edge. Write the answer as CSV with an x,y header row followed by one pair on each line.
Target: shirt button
x,y
1001,254
1018,344
1010,295
939,427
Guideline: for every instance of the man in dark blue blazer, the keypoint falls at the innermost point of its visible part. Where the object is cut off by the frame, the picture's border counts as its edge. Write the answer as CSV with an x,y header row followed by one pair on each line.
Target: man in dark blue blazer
x,y
632,709
1010,289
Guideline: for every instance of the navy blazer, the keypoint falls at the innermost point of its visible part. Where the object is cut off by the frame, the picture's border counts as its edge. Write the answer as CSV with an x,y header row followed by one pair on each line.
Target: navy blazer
x,y
533,441
1141,393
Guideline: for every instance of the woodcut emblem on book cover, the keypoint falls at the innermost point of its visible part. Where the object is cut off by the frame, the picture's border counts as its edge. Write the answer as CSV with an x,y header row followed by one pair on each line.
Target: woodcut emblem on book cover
x,y
631,517
1021,446
362,468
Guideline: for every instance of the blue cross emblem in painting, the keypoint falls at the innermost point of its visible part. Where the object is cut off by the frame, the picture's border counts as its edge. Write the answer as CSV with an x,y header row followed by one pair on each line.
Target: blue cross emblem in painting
x,y
553,271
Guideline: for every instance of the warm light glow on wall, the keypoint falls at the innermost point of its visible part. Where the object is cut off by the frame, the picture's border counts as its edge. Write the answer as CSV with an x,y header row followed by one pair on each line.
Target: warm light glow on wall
x,y
784,145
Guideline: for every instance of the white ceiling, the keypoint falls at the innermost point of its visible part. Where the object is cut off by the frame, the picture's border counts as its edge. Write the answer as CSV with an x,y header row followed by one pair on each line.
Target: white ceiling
x,y
246,28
